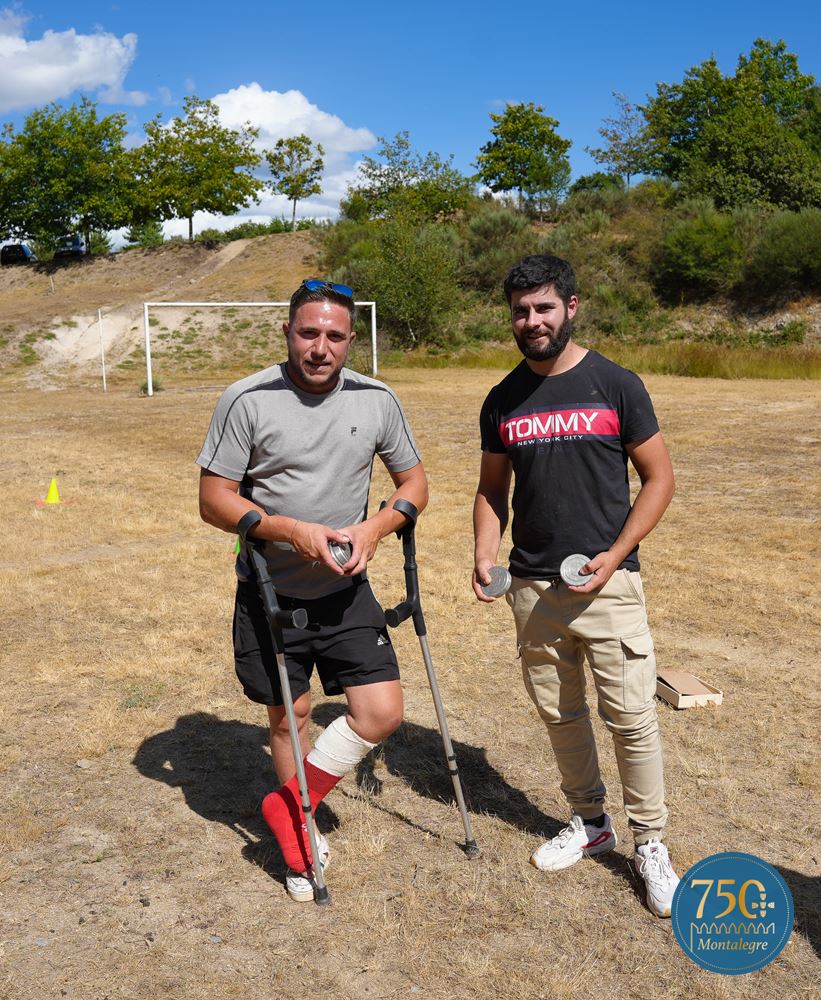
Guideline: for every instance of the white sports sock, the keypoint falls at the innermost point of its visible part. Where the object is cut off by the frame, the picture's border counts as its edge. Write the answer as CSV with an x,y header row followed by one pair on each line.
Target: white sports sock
x,y
339,749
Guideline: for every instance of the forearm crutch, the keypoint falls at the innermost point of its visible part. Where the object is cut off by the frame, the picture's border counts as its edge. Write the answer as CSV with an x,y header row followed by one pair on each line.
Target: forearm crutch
x,y
298,618
411,607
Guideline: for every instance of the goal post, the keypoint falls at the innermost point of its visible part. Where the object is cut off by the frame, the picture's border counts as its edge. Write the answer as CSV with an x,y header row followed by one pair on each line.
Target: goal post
x,y
147,306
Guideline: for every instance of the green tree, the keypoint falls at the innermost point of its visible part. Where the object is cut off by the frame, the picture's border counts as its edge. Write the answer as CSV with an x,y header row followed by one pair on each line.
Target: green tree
x,y
401,182
196,164
526,155
598,181
676,117
145,234
65,171
627,143
99,242
547,186
752,138
296,165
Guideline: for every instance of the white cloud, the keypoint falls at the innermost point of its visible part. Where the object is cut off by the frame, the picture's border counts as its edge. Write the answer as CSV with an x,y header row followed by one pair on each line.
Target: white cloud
x,y
61,62
281,115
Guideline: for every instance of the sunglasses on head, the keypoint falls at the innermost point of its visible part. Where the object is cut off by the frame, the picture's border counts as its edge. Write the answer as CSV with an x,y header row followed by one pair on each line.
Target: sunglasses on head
x,y
317,284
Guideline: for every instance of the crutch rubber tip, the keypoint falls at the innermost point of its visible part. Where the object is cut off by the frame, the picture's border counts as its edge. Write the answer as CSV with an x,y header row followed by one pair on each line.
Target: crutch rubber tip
x,y
472,849
321,896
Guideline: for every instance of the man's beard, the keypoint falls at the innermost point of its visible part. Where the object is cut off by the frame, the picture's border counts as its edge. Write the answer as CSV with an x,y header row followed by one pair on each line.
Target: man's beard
x,y
555,345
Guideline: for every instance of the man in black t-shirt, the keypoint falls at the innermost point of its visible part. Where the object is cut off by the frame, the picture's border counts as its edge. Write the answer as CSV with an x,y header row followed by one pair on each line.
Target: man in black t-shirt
x,y
564,423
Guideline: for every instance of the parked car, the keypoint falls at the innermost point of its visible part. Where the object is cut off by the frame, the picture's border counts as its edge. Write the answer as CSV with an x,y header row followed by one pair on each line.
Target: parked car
x,y
17,253
70,246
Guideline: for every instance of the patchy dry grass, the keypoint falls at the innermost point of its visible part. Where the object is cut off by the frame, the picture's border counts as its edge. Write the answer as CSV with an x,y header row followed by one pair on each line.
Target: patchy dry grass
x,y
135,863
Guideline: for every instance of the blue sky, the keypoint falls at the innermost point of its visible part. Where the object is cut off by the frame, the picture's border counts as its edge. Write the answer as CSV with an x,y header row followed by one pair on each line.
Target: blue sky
x,y
346,74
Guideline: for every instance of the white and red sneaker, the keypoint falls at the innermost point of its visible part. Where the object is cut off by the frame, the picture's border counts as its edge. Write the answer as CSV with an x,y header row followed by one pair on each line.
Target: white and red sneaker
x,y
576,841
297,884
653,863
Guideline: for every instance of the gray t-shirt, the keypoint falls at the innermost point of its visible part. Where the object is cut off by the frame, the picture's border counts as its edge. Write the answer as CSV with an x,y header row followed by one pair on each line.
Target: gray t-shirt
x,y
307,456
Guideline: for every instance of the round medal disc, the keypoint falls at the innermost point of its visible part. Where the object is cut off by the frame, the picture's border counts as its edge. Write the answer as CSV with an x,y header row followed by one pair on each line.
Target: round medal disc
x,y
341,551
569,571
500,580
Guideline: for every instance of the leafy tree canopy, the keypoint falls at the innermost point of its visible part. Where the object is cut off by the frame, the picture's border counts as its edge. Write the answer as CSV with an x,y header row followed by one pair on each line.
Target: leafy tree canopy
x,y
399,181
196,164
627,145
66,171
526,155
752,138
598,181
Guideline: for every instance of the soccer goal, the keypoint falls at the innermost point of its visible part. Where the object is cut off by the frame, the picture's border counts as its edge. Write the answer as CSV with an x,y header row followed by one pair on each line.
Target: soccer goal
x,y
148,307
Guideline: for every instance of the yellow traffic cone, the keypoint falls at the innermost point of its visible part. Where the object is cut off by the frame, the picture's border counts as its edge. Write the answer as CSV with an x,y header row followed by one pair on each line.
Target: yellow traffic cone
x,y
53,495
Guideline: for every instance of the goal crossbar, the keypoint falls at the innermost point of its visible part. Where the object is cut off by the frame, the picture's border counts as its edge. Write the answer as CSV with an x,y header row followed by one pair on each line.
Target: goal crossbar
x,y
231,305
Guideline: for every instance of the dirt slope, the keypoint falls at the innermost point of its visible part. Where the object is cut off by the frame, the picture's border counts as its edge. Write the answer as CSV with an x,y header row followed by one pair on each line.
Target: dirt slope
x,y
48,313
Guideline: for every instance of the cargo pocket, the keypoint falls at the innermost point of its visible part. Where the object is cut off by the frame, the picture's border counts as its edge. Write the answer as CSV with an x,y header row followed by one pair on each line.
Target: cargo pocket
x,y
639,669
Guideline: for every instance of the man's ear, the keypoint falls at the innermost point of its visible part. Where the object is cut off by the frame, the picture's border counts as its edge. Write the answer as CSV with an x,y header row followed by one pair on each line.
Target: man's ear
x,y
285,329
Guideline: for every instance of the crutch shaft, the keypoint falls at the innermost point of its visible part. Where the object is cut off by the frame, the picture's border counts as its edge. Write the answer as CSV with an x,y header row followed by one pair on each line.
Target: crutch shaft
x,y
471,846
299,619
411,607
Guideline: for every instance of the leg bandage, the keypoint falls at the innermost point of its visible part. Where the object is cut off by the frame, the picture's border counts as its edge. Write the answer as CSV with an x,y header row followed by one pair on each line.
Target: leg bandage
x,y
337,751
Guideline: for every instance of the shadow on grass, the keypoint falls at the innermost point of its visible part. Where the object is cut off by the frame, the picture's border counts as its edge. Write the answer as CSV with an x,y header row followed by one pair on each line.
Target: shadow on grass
x,y
806,894
415,754
224,773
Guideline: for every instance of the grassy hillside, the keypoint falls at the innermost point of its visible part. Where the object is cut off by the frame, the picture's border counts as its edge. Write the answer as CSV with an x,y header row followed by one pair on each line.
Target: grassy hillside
x,y
50,334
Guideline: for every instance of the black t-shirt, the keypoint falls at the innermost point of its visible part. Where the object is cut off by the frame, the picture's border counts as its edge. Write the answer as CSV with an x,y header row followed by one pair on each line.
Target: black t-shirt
x,y
565,436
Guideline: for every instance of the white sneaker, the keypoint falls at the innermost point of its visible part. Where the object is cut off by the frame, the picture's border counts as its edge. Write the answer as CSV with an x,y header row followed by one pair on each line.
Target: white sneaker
x,y
298,886
653,863
575,841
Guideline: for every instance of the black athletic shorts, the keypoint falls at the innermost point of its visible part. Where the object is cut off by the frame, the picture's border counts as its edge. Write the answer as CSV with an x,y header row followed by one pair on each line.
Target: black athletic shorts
x,y
346,639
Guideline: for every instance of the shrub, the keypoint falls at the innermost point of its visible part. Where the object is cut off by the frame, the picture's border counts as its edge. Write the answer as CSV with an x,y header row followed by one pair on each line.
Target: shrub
x,y
495,238
700,256
411,272
787,259
653,193
145,234
610,200
619,307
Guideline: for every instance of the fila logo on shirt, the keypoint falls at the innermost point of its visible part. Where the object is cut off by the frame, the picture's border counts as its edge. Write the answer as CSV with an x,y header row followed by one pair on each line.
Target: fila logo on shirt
x,y
559,424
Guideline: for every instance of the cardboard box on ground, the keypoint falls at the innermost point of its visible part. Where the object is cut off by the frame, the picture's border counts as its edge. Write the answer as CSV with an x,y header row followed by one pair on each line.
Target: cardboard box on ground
x,y
684,690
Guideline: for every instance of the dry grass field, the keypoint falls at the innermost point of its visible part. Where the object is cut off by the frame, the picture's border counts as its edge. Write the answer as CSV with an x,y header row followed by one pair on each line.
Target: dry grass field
x,y
134,860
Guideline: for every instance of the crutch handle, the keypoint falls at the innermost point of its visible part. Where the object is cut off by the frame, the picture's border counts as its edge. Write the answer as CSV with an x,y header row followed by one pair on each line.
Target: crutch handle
x,y
395,616
298,618
411,607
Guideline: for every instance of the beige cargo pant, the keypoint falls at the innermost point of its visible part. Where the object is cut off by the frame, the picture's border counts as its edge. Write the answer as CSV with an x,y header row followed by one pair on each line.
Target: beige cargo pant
x,y
556,629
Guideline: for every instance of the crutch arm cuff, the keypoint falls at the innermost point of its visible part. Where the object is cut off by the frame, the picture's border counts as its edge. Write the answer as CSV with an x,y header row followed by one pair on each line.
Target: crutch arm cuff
x,y
250,519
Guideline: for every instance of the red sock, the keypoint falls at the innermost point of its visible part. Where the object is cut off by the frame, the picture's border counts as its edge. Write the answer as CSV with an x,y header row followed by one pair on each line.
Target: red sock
x,y
282,811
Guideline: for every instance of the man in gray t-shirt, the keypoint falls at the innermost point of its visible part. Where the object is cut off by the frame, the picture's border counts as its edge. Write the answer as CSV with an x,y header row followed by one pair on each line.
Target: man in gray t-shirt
x,y
296,442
